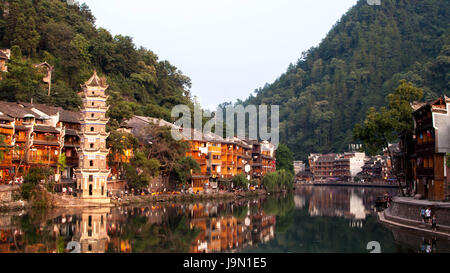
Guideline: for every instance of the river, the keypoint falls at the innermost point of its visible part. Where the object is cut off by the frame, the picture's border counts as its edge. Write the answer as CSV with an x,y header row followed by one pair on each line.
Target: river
x,y
314,219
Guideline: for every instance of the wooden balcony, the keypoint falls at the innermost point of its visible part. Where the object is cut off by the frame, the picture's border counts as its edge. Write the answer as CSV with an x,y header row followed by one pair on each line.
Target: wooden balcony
x,y
44,159
425,172
425,148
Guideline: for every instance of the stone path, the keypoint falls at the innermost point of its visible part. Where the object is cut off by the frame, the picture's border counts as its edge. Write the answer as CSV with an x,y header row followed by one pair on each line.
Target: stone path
x,y
400,222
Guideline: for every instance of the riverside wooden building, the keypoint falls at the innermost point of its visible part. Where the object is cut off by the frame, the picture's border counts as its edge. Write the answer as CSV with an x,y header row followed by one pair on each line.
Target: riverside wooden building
x,y
431,143
219,159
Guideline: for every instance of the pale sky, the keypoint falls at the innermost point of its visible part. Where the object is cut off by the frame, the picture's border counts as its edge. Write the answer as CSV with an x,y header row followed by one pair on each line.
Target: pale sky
x,y
227,47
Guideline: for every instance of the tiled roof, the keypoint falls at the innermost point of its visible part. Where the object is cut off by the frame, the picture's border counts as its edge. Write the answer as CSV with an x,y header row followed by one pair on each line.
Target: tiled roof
x,y
96,81
5,117
69,116
3,56
48,110
71,132
15,110
46,129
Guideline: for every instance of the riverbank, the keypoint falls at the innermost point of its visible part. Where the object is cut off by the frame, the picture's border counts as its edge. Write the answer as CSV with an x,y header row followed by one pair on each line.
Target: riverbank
x,y
57,201
404,212
164,198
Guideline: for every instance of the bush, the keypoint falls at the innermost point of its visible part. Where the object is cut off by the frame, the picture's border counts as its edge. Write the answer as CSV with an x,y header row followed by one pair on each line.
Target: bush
x,y
26,190
279,180
240,181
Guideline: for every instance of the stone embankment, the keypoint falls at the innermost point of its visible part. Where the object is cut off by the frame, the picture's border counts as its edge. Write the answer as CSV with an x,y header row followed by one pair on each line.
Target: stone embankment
x,y
52,200
148,199
405,212
9,200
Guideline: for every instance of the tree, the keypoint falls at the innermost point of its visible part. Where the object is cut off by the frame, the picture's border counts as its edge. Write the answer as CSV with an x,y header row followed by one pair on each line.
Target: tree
x,y
384,126
22,82
3,147
62,162
33,178
118,143
284,158
141,170
25,35
240,181
269,182
165,149
183,170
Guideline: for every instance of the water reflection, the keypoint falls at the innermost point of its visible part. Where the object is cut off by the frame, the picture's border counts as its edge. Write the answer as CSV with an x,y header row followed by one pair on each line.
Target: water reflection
x,y
314,219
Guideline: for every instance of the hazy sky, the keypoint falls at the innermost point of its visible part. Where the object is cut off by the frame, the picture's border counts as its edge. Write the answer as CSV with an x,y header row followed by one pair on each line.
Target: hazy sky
x,y
227,47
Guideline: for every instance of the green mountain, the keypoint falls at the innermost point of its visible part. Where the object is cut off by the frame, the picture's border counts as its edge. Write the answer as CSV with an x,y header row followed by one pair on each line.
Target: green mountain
x,y
67,38
356,65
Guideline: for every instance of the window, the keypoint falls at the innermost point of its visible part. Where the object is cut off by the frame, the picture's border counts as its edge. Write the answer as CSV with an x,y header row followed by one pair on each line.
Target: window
x,y
92,129
91,163
92,115
91,145
91,178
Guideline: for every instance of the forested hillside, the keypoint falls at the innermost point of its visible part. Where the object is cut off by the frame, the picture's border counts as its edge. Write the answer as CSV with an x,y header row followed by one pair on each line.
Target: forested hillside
x,y
67,38
356,65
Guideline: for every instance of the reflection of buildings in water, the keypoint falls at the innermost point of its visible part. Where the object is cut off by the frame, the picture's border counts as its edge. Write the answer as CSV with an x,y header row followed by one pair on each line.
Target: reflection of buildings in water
x,y
356,223
120,217
228,233
357,208
342,202
299,201
326,202
91,232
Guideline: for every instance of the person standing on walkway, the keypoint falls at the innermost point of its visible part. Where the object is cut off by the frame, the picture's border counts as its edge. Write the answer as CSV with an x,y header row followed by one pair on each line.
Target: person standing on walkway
x,y
434,223
427,215
422,213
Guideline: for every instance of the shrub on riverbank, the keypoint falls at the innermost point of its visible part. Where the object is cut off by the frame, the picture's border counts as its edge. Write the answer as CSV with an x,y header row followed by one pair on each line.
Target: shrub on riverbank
x,y
36,186
240,181
278,181
33,178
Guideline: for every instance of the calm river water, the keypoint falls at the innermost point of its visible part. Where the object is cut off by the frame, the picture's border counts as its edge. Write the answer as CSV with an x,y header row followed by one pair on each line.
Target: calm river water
x,y
312,220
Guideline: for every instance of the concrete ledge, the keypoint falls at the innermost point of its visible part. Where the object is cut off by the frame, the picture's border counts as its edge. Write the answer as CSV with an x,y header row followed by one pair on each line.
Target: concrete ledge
x,y
400,222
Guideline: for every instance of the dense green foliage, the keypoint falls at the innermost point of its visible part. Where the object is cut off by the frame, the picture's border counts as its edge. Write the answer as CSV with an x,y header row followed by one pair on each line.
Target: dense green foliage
x,y
118,143
33,179
285,158
279,180
66,37
183,170
240,181
384,126
141,170
3,147
359,62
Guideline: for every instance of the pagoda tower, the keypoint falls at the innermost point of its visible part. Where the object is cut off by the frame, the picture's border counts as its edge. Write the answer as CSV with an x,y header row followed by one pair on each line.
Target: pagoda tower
x,y
92,173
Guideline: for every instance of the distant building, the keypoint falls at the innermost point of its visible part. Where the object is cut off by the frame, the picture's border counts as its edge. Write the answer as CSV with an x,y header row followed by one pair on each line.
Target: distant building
x,y
341,167
322,166
299,166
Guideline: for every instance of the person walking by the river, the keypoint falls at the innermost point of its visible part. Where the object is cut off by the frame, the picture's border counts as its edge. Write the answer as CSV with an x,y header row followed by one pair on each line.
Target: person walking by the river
x,y
422,213
434,223
427,215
